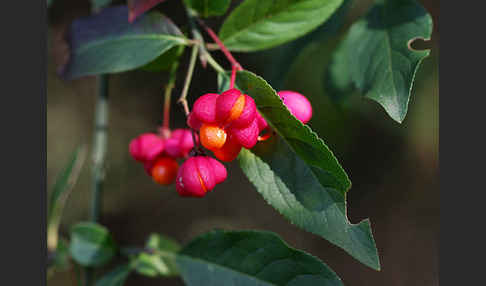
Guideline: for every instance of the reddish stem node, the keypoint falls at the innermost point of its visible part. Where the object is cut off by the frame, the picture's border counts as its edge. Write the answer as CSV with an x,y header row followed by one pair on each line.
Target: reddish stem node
x,y
223,48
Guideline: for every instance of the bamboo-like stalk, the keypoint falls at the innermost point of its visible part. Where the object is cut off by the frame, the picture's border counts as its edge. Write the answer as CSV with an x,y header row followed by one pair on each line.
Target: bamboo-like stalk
x,y
99,154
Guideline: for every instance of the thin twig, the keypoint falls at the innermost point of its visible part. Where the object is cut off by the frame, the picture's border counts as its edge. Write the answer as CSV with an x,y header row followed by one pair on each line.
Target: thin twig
x,y
192,63
197,37
205,56
212,46
165,130
212,62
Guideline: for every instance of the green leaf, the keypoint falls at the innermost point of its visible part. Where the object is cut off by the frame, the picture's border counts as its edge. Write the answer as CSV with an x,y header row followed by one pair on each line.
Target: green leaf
x,y
377,56
162,260
300,177
284,57
99,4
257,25
250,258
60,193
164,61
208,8
49,2
116,277
337,79
91,244
161,242
107,43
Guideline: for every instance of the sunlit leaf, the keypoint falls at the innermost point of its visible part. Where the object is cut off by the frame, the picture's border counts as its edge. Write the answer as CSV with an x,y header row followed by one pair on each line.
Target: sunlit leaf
x,y
300,177
257,25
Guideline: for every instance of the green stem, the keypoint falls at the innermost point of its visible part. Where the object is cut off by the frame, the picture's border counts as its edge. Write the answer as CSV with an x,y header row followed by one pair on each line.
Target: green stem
x,y
212,62
197,37
187,82
205,55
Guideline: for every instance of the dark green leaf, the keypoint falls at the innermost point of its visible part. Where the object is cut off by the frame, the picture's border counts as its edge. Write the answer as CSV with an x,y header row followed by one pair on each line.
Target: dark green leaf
x,y
285,56
116,277
337,79
161,261
91,244
301,178
164,61
377,57
257,25
250,258
49,2
99,4
138,7
107,43
208,8
60,193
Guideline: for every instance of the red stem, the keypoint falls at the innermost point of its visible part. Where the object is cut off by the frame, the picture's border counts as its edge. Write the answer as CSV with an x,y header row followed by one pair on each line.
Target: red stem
x,y
233,76
165,124
223,48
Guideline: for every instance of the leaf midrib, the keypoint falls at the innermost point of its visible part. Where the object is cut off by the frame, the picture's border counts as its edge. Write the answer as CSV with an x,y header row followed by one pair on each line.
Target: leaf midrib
x,y
237,271
86,47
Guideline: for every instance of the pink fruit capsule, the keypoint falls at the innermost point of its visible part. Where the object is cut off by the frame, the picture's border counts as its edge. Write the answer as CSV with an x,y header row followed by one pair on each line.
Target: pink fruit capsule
x,y
219,170
298,104
205,108
262,123
146,147
193,122
235,108
229,105
248,136
247,115
199,175
179,144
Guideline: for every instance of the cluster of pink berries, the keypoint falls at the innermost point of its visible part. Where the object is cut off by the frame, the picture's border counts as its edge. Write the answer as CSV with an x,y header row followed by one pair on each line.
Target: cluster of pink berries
x,y
226,123
159,155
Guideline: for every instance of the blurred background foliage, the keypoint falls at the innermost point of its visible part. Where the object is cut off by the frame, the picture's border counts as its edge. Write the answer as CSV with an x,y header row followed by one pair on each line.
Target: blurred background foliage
x,y
393,167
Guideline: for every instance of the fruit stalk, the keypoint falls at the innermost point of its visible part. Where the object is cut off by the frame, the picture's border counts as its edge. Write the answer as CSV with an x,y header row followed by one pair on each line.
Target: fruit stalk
x,y
192,63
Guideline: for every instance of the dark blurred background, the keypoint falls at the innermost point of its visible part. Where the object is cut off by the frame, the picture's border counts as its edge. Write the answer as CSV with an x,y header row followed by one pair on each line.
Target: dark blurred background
x,y
393,167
